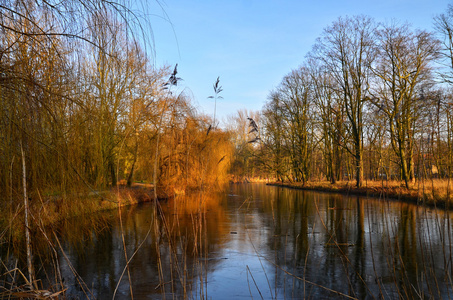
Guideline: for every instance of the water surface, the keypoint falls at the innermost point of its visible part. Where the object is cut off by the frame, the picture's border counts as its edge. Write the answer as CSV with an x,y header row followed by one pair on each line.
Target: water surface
x,y
264,242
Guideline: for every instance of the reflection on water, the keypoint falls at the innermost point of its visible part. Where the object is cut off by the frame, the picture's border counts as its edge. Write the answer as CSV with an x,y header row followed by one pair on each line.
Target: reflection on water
x,y
259,241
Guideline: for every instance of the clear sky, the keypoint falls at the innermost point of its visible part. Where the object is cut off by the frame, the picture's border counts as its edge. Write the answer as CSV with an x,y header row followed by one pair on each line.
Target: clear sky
x,y
252,44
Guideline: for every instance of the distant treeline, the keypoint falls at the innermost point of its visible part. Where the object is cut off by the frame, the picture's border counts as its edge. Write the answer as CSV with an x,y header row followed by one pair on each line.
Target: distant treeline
x,y
370,101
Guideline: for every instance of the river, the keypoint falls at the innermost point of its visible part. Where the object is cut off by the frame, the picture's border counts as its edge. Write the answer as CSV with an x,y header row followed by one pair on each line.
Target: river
x,y
257,241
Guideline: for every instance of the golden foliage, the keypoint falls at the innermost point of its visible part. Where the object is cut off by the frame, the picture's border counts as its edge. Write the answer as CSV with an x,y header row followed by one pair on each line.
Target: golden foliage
x,y
193,155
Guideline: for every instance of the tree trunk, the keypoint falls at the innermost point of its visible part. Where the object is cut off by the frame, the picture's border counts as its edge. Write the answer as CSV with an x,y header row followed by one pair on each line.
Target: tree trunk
x,y
27,227
112,172
359,163
129,178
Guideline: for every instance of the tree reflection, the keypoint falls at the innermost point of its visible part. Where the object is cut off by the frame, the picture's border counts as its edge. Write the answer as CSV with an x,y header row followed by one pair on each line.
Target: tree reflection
x,y
355,246
295,244
188,230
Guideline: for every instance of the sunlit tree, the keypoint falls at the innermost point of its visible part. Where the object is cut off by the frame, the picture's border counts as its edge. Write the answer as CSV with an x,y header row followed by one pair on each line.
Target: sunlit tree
x,y
346,48
403,66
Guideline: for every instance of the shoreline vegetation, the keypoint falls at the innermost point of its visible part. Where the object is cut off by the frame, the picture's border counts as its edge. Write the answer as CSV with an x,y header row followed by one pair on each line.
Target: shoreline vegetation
x,y
55,208
434,193
48,210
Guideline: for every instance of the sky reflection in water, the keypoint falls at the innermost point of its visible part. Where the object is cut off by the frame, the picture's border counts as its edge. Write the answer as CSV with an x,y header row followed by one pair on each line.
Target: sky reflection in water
x,y
257,240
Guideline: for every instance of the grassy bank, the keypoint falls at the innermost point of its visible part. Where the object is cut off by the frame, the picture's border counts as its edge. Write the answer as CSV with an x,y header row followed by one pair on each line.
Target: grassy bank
x,y
47,210
72,216
435,192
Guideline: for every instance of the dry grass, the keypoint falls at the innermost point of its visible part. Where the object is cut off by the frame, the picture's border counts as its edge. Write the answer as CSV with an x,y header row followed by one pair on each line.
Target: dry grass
x,y
72,216
59,208
46,211
436,192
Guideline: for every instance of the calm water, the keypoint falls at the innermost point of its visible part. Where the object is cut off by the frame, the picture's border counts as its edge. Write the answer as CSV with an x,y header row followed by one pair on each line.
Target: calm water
x,y
260,241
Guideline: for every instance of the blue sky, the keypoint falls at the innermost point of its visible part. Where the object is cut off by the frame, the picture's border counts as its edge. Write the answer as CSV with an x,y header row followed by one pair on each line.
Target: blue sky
x,y
252,44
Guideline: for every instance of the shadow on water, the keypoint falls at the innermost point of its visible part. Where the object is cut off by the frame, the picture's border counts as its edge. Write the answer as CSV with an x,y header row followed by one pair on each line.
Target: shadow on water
x,y
261,242
329,245
171,254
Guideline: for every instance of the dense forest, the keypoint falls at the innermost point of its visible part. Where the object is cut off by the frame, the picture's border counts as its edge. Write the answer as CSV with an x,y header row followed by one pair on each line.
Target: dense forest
x,y
371,101
83,107
83,111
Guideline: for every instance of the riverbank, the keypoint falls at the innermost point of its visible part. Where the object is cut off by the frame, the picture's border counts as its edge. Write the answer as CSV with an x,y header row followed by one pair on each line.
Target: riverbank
x,y
435,192
119,196
72,215
46,210
240,179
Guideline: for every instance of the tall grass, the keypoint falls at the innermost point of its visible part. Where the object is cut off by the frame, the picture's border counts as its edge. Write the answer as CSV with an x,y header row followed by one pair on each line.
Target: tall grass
x,y
51,219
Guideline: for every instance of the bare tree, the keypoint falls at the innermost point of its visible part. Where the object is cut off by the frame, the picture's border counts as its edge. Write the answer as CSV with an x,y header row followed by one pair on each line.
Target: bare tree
x,y
296,100
444,27
273,127
347,50
330,117
404,64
